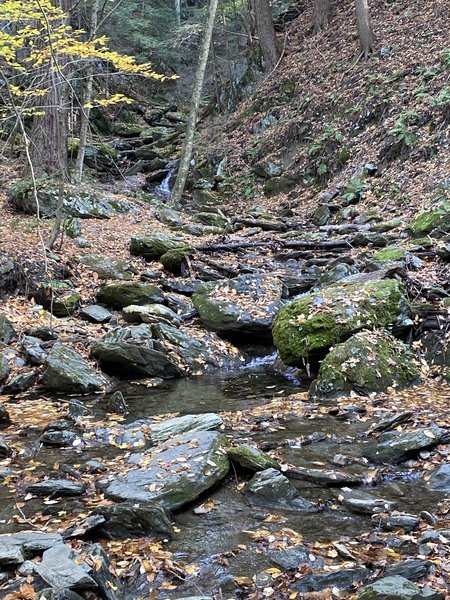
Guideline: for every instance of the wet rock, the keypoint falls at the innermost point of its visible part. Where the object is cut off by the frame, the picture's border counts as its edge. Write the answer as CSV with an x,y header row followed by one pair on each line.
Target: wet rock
x,y
413,570
107,267
242,306
163,430
62,568
5,449
398,588
58,438
344,579
328,477
440,479
369,361
96,314
102,573
7,331
293,558
150,313
336,273
5,419
57,487
128,360
400,521
58,297
67,371
197,461
361,502
4,368
95,467
21,383
314,323
117,403
125,520
395,447
271,487
153,246
52,594
437,535
251,458
34,353
17,547
186,288
119,295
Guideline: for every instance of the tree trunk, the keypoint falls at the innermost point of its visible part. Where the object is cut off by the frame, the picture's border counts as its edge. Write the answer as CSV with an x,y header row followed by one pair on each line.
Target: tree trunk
x,y
365,31
321,14
178,11
266,33
188,145
87,97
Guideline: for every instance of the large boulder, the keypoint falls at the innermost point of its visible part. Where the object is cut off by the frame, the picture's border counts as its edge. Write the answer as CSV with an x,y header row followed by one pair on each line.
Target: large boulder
x,y
440,479
272,488
76,202
125,520
244,306
154,245
175,472
4,368
369,361
395,447
398,588
119,295
312,324
61,568
67,371
107,267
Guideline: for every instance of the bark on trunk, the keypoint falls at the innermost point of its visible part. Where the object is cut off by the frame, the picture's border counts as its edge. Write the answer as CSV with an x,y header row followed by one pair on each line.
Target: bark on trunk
x,y
321,14
365,31
266,33
87,97
188,145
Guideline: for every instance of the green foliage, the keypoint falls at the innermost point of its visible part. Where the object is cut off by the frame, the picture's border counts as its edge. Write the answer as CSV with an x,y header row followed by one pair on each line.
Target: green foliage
x,y
405,128
442,98
354,189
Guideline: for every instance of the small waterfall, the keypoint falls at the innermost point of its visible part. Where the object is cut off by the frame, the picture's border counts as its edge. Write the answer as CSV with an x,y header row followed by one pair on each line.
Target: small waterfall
x,y
164,187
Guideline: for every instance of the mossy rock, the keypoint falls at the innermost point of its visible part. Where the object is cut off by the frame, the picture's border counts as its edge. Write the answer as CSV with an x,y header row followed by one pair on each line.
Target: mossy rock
x,y
152,246
424,222
119,295
7,331
391,253
67,371
108,267
369,361
279,185
210,218
128,130
58,297
4,368
252,458
173,260
148,152
312,324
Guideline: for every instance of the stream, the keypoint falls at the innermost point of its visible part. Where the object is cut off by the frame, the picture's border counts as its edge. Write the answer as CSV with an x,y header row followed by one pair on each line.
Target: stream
x,y
219,539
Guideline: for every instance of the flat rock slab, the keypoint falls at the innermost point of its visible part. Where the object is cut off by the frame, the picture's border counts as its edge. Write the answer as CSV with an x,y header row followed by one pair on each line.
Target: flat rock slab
x,y
270,487
325,477
174,473
163,430
344,579
57,487
398,588
96,314
292,558
126,520
17,547
62,568
440,479
394,447
251,458
68,371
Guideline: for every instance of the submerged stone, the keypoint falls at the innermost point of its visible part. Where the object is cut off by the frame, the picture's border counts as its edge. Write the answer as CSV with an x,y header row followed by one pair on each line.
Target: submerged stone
x,y
272,488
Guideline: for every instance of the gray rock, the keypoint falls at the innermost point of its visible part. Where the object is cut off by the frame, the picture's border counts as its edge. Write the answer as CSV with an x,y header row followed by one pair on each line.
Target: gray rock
x,y
163,430
129,360
117,403
21,383
72,227
67,371
108,267
7,331
125,520
58,297
292,558
58,438
335,274
62,568
34,353
5,419
119,295
57,487
197,461
251,458
108,584
401,521
361,502
398,588
271,487
245,305
153,246
4,368
395,447
5,449
321,215
344,579
150,313
440,479
413,570
96,314
17,547
52,594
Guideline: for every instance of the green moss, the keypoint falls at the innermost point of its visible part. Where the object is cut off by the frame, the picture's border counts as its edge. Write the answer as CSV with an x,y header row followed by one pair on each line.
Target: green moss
x,y
424,222
391,253
315,322
172,260
278,185
252,458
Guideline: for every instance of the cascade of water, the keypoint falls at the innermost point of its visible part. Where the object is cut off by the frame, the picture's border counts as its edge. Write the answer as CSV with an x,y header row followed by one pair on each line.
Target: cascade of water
x,y
164,187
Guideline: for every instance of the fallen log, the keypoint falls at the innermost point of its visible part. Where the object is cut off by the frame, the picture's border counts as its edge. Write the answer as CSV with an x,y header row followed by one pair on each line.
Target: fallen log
x,y
308,244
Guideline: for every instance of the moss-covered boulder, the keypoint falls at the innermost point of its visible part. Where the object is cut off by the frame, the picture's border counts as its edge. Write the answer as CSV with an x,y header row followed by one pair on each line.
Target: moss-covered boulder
x,y
150,313
311,325
108,267
251,458
197,461
58,297
369,361
4,368
152,246
128,130
119,295
389,254
67,371
7,331
424,222
174,260
244,306
279,185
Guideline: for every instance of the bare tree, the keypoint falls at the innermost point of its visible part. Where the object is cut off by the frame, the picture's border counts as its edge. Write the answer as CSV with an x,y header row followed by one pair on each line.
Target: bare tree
x,y
188,145
321,14
266,33
365,31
